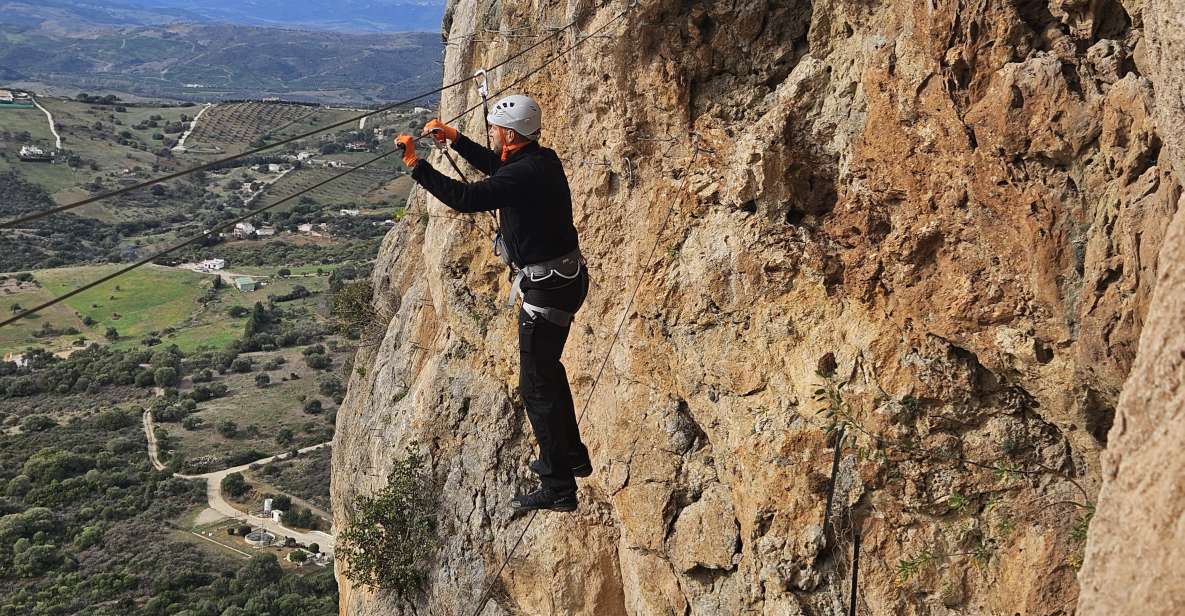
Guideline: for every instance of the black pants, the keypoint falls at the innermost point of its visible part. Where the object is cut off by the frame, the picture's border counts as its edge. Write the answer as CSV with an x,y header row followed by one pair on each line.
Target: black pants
x,y
544,383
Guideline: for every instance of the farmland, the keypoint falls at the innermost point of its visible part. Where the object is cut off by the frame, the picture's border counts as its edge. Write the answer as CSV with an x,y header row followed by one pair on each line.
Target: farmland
x,y
348,190
232,124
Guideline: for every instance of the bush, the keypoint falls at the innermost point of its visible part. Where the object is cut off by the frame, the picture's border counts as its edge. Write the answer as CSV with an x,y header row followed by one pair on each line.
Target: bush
x,y
241,365
318,361
37,423
388,541
313,407
330,386
192,423
228,428
234,485
262,380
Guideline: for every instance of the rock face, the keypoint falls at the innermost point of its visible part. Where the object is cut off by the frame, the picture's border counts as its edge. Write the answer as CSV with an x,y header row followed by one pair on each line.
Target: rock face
x,y
940,224
1136,553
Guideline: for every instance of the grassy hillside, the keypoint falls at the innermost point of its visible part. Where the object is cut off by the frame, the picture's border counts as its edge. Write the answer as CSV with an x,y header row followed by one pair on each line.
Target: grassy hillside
x,y
176,306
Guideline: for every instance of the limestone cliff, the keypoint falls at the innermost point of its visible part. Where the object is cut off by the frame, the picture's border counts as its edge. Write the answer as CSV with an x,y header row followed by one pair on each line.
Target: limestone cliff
x,y
948,214
1136,554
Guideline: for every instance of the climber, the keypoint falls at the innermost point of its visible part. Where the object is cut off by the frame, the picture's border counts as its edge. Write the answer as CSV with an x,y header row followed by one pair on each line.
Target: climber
x,y
538,241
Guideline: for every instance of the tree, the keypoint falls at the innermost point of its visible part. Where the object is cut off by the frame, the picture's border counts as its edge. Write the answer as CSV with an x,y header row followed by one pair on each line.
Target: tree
x,y
314,548
283,502
241,365
111,334
36,560
192,423
234,485
165,377
145,378
285,436
284,272
15,308
262,379
313,406
18,486
260,572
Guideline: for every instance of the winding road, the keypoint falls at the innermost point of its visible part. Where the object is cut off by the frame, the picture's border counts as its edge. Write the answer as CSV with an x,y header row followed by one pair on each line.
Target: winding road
x,y
216,501
52,128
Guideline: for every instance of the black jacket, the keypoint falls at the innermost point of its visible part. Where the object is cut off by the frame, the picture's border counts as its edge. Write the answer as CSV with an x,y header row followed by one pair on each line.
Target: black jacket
x,y
529,188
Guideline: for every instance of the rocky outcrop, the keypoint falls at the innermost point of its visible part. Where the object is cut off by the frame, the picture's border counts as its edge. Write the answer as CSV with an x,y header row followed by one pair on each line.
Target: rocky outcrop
x,y
945,217
1136,553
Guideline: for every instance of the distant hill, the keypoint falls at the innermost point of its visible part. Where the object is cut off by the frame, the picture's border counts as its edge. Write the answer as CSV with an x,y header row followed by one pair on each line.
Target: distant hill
x,y
338,15
347,15
211,61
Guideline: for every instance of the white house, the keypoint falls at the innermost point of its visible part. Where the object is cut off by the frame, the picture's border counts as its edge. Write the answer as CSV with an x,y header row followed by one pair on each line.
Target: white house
x,y
212,264
34,153
273,168
265,231
277,516
349,212
305,228
244,229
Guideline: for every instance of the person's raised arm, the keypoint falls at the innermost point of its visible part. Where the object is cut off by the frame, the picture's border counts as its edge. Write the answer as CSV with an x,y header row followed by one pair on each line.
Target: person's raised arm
x,y
492,193
482,158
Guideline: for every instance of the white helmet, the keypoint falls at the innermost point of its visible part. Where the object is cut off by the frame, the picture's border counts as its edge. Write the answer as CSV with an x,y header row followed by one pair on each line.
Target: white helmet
x,y
518,113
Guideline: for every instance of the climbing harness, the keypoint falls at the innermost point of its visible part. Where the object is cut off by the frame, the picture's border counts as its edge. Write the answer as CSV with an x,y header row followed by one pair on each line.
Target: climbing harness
x,y
567,267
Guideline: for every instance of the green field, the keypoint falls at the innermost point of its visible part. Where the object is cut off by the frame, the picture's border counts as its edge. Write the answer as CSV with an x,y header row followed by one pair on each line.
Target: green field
x,y
148,299
144,300
19,335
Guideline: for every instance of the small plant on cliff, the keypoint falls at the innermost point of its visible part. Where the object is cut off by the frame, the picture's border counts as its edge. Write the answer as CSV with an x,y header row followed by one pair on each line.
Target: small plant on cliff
x,y
907,568
390,537
355,313
1080,529
957,502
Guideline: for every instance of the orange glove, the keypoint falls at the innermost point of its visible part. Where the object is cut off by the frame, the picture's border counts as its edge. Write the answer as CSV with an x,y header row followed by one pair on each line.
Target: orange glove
x,y
408,145
440,131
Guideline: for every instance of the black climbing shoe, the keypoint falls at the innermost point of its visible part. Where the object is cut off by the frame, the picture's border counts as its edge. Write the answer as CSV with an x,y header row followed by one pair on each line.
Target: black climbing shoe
x,y
584,469
544,498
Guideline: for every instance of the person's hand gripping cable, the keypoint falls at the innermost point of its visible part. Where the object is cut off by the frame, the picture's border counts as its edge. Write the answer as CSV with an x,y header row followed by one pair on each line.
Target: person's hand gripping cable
x,y
440,131
407,143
